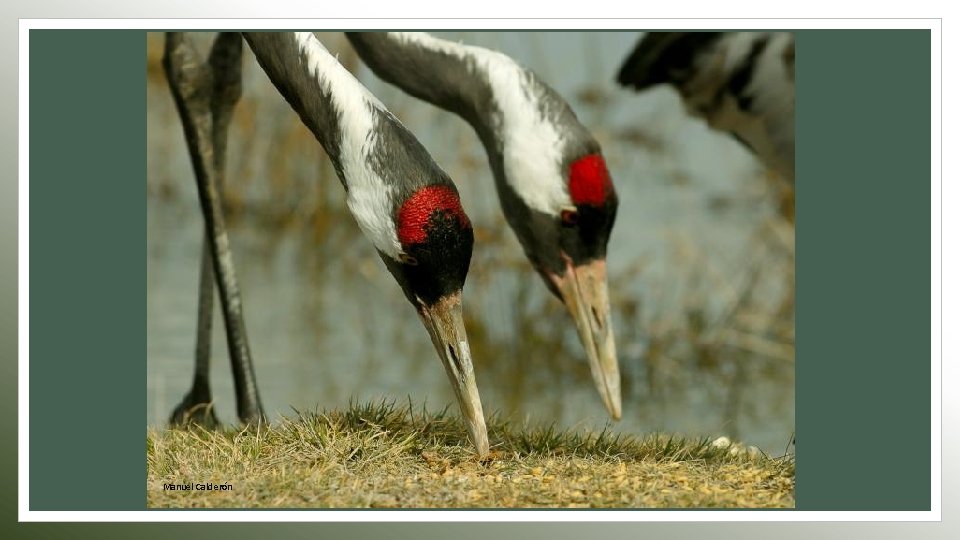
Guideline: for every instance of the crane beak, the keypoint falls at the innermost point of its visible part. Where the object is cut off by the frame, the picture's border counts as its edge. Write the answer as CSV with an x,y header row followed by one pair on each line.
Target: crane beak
x,y
583,289
444,322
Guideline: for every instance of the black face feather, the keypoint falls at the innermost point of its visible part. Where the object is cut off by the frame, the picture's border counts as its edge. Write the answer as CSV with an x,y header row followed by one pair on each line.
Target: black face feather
x,y
436,267
586,239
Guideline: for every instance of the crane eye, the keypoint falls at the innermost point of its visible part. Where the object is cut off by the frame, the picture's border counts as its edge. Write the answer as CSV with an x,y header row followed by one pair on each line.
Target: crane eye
x,y
406,258
569,217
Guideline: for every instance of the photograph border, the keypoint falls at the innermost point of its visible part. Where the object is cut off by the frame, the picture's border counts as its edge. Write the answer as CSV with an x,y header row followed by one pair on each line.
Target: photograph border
x,y
26,514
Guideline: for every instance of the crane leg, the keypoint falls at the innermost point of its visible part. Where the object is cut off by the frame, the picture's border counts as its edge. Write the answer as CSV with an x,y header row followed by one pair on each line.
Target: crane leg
x,y
197,406
205,93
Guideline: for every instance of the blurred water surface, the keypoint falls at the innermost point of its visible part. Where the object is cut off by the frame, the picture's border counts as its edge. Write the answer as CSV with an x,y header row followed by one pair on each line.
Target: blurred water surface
x,y
701,264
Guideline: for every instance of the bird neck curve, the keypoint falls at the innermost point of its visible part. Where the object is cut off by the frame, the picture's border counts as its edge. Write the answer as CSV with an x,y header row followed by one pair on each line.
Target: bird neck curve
x,y
378,161
440,72
526,128
334,106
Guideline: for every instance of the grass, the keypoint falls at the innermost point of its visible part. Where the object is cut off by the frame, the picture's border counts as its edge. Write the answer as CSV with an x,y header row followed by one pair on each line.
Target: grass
x,y
383,455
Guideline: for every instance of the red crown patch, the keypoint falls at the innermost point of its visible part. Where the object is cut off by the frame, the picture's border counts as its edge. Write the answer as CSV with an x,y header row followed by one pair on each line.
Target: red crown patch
x,y
590,181
413,219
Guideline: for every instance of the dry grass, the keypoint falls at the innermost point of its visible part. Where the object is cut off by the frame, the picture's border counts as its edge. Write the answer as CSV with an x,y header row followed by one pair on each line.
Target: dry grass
x,y
380,455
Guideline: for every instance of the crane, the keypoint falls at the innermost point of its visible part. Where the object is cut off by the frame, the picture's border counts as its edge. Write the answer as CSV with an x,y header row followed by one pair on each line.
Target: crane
x,y
404,204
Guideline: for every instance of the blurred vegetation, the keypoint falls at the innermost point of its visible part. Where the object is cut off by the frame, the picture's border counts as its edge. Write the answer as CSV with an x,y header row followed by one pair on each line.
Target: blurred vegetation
x,y
701,326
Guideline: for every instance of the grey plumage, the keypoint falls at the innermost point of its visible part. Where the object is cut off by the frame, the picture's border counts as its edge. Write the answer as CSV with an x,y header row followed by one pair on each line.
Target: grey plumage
x,y
741,83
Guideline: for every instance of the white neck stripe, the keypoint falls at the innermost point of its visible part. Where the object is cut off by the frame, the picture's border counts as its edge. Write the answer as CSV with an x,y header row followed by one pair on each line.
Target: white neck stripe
x,y
369,197
532,143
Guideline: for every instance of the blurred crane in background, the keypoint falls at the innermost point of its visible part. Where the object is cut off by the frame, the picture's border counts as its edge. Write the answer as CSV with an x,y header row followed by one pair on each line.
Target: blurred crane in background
x,y
741,83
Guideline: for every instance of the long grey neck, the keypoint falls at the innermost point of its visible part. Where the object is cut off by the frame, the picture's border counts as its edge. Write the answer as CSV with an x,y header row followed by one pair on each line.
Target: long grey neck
x,y
309,79
446,74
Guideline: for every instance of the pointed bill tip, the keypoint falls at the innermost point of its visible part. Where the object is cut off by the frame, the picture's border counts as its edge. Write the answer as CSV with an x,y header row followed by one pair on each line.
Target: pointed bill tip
x,y
444,322
612,401
583,289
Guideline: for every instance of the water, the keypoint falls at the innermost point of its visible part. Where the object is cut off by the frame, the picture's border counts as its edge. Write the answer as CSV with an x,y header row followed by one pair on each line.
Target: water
x,y
328,324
